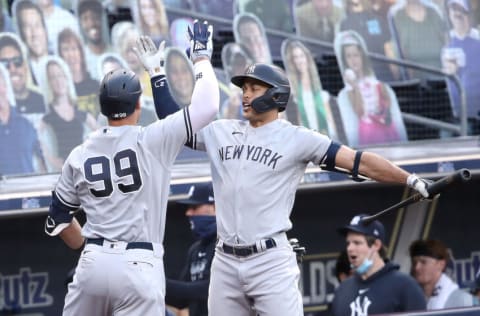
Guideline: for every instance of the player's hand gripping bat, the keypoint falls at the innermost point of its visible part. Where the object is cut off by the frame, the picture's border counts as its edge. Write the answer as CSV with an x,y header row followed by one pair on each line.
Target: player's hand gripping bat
x,y
437,187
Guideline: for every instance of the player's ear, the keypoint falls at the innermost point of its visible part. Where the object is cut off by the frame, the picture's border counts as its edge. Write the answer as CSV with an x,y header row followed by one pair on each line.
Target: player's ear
x,y
378,244
443,264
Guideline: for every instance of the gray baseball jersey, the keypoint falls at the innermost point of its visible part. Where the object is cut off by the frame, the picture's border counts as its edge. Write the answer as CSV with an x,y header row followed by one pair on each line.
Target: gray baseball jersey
x,y
255,174
121,177
116,161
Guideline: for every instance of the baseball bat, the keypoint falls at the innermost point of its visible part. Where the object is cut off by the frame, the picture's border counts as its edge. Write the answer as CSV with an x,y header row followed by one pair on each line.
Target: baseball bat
x,y
462,175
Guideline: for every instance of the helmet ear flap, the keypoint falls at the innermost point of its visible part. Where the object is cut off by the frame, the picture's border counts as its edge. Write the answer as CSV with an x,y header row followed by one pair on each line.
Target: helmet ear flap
x,y
281,96
275,97
265,102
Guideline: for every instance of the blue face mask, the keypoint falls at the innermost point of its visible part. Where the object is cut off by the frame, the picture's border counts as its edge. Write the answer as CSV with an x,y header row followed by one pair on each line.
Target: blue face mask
x,y
364,266
203,226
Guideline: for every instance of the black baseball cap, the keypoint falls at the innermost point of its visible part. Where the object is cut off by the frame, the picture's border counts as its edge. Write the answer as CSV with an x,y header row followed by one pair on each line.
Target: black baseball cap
x,y
374,229
199,193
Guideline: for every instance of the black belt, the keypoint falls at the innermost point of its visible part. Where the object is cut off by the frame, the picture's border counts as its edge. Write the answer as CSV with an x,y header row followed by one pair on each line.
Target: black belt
x,y
130,245
245,251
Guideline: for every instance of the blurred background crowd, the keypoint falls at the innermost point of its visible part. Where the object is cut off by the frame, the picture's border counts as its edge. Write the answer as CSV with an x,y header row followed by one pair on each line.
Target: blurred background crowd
x,y
365,72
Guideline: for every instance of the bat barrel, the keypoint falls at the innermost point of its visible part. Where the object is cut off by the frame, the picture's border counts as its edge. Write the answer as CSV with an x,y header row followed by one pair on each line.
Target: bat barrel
x,y
462,175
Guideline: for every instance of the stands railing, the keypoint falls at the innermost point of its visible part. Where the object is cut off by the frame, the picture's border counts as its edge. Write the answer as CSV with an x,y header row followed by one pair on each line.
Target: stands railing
x,y
461,129
275,37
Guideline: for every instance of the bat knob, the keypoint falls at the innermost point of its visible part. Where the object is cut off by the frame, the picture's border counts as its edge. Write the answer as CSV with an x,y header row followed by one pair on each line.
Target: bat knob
x,y
465,174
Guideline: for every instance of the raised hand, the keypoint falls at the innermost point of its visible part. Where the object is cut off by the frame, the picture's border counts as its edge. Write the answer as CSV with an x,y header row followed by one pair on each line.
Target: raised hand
x,y
152,59
200,40
350,77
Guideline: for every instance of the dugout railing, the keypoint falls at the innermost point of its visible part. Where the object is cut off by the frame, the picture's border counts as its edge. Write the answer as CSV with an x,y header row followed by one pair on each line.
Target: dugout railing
x,y
472,311
319,209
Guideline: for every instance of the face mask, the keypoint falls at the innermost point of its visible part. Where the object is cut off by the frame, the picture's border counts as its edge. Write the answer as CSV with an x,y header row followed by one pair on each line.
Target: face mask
x,y
203,226
365,265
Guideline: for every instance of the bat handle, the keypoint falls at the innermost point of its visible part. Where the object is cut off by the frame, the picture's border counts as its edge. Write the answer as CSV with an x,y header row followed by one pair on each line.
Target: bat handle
x,y
412,199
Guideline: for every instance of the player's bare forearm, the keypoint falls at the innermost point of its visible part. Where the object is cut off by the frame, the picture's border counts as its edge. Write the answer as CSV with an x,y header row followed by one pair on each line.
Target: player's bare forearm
x,y
371,165
72,235
380,169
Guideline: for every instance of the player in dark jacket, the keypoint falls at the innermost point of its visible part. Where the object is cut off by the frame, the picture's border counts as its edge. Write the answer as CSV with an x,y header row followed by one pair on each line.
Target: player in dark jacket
x,y
377,287
191,290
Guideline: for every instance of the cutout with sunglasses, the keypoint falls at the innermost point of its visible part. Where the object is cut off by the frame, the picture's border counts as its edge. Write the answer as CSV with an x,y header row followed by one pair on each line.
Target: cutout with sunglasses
x,y
29,101
15,61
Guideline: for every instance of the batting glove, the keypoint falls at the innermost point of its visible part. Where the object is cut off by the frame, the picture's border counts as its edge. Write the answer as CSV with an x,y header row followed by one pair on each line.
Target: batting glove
x,y
152,59
200,40
418,184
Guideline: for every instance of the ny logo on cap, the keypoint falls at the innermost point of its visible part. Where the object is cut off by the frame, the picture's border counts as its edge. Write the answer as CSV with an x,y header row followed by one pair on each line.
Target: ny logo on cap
x,y
190,192
250,70
355,220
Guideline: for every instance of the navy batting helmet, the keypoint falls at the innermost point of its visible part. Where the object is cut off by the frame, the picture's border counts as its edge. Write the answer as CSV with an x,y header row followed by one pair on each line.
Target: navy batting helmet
x,y
119,93
278,93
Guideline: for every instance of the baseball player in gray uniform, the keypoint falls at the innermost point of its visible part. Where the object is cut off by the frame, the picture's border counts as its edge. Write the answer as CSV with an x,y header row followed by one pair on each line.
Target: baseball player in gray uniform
x,y
120,177
256,166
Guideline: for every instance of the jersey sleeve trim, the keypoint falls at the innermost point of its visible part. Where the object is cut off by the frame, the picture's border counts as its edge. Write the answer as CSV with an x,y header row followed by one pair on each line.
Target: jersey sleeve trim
x,y
67,204
328,160
192,142
60,214
191,137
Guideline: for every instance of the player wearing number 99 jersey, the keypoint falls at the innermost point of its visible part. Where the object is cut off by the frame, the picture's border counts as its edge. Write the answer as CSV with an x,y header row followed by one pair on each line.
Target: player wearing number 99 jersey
x,y
120,177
